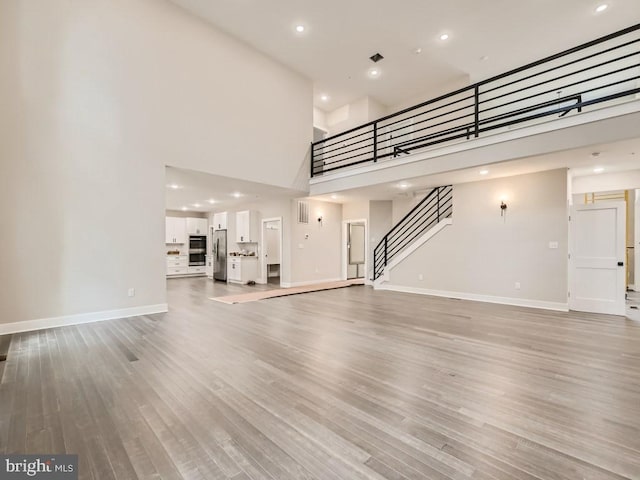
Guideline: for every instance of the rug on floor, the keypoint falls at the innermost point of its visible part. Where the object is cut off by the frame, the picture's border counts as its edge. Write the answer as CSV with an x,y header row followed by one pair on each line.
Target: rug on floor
x,y
281,292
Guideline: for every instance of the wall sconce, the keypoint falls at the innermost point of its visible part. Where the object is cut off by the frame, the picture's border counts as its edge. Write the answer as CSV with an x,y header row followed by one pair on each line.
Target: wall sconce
x,y
320,220
503,208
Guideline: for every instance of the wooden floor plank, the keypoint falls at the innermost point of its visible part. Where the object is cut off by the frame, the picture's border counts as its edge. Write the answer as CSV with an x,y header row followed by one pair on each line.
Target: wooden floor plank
x,y
344,384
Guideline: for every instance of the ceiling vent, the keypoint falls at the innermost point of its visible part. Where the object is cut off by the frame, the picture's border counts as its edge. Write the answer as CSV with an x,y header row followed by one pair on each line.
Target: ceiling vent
x,y
376,57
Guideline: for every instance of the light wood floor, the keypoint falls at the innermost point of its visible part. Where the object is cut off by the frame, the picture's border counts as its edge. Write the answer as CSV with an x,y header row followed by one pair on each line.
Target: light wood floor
x,y
340,384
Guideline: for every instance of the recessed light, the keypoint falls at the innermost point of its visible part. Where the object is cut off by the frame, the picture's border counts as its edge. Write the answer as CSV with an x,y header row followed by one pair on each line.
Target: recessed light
x,y
374,72
174,186
334,196
484,58
444,36
197,205
300,28
236,194
211,201
184,209
403,185
598,170
483,172
324,98
601,8
418,51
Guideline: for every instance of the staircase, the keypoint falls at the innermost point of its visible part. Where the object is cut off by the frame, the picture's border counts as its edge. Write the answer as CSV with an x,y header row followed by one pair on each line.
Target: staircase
x,y
433,211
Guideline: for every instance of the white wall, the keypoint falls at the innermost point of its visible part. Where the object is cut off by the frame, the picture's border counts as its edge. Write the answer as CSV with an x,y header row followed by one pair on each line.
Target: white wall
x,y
316,249
320,119
451,86
353,114
605,182
97,97
380,222
484,254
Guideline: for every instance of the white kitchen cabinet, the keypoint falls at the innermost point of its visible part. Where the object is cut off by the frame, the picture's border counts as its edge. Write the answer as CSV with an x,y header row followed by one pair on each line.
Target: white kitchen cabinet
x,y
247,227
177,265
196,226
220,221
242,269
175,230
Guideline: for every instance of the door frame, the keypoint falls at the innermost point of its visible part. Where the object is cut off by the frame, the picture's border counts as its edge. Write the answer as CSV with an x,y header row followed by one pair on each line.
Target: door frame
x,y
636,242
345,254
572,240
264,274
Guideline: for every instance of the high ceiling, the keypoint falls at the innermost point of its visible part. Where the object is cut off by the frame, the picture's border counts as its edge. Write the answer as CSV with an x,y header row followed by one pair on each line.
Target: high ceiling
x,y
485,38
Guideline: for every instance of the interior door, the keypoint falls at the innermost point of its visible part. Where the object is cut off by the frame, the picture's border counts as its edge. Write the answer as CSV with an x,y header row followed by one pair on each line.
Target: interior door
x,y
356,251
596,265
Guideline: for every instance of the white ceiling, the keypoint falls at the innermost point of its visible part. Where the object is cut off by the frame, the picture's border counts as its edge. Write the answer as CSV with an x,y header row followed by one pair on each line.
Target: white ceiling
x,y
197,188
341,35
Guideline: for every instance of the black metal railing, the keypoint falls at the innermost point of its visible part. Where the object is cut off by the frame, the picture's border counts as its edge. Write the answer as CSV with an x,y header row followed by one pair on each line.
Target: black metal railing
x,y
434,207
601,72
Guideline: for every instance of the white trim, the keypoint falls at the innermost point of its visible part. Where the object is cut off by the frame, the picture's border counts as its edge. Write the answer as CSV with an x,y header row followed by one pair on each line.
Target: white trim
x,y
525,131
66,320
632,287
345,254
412,248
310,282
518,302
264,275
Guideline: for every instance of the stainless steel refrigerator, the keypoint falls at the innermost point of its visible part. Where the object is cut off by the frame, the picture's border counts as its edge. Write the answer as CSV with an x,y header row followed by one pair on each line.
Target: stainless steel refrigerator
x,y
219,252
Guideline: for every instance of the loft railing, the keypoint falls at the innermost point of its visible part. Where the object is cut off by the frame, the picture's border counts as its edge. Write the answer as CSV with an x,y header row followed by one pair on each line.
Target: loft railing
x,y
601,72
436,206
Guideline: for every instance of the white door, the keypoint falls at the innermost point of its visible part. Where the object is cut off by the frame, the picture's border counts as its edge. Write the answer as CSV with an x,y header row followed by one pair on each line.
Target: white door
x,y
596,265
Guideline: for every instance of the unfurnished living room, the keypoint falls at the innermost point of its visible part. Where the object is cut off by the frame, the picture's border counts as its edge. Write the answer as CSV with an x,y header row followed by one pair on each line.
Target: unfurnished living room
x,y
341,240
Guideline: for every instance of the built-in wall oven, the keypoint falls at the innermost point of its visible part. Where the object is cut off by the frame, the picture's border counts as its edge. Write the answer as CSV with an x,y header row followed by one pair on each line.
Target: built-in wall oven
x,y
197,250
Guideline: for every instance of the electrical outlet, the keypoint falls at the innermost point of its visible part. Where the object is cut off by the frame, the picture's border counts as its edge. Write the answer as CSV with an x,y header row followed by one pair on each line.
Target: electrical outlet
x,y
132,292
517,285
420,276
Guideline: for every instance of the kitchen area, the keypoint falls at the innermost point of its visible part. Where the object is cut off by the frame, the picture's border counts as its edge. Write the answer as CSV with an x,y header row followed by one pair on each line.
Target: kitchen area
x,y
222,246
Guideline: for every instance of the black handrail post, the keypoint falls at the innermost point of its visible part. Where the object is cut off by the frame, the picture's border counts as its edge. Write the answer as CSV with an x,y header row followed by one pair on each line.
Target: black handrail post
x,y
375,142
476,114
385,250
438,204
311,159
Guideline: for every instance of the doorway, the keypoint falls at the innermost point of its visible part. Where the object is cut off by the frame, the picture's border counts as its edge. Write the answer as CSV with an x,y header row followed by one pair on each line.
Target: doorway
x,y
271,255
355,249
597,280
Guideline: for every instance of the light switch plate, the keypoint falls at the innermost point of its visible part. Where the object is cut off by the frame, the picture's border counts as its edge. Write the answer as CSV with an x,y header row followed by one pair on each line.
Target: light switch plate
x,y
553,244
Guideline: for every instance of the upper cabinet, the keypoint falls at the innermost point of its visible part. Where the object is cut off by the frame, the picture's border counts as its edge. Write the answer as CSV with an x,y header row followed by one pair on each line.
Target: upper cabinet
x,y
175,230
196,226
247,230
220,221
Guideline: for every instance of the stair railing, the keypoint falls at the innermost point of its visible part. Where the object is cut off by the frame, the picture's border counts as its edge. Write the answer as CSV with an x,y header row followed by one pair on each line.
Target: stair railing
x,y
603,72
434,207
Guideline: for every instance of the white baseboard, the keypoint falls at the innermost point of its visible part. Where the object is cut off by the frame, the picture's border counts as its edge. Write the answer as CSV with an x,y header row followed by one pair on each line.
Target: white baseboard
x,y
518,302
42,323
310,282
